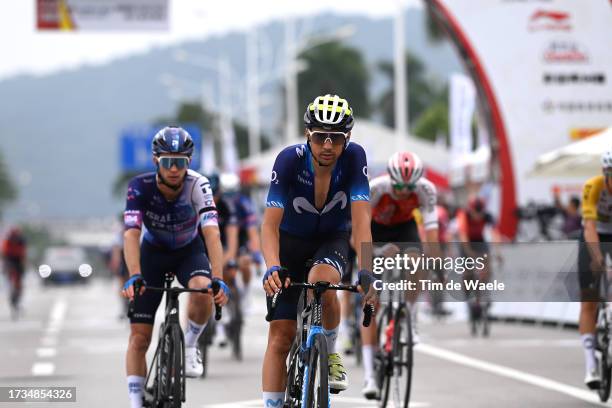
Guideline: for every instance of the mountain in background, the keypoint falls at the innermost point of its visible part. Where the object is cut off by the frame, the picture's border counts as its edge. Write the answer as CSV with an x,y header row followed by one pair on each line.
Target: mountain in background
x,y
60,133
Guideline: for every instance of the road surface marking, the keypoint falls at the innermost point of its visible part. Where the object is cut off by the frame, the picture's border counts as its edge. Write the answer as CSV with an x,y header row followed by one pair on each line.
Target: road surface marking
x,y
45,352
509,373
39,369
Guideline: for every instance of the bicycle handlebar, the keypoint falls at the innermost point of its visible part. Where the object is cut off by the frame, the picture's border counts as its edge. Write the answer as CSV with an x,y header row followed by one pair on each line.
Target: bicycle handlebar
x,y
368,310
215,286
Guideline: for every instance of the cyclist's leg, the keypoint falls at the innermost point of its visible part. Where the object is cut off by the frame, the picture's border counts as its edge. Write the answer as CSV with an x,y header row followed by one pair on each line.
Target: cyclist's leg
x,y
193,271
588,314
293,253
330,262
141,323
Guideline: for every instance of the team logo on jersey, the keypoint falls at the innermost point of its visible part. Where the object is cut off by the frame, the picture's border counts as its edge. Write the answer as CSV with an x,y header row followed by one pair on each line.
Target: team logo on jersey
x,y
365,171
300,151
302,204
274,178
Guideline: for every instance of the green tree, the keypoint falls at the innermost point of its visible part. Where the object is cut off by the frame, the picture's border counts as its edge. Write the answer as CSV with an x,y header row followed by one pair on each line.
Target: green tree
x,y
421,91
8,191
336,69
433,122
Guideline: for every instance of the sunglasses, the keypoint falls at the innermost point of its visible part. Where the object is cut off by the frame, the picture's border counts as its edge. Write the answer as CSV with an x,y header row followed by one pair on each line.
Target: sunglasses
x,y
180,162
400,187
321,137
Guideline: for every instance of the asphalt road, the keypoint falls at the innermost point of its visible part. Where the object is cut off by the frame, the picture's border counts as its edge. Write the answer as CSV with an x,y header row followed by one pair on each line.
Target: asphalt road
x,y
71,336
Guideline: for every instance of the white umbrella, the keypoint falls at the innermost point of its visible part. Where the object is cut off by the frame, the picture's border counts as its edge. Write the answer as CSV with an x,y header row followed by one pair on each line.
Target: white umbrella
x,y
579,159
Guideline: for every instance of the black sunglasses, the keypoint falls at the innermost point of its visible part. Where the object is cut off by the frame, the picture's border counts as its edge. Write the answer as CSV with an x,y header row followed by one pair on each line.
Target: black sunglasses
x,y
320,137
180,162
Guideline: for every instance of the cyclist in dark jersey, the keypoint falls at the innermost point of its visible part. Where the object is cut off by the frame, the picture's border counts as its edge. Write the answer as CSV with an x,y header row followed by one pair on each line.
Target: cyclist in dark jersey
x,y
316,189
14,248
167,209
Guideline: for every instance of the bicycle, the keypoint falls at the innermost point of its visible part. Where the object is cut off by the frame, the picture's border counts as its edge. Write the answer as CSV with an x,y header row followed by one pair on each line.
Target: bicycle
x,y
307,375
234,327
394,360
602,340
167,387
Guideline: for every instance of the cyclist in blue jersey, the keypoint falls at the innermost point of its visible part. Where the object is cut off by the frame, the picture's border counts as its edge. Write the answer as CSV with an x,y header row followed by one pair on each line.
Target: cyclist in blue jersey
x,y
163,213
249,248
317,189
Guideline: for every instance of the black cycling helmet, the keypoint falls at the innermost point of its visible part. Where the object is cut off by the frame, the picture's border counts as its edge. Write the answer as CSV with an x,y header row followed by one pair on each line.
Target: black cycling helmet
x,y
215,182
172,139
329,112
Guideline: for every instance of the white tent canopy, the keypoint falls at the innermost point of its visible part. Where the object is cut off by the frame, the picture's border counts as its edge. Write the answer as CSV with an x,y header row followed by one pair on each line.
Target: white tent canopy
x,y
578,159
379,142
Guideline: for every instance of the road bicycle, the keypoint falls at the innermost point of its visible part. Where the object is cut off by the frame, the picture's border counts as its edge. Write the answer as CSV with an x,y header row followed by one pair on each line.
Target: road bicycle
x,y
165,383
307,374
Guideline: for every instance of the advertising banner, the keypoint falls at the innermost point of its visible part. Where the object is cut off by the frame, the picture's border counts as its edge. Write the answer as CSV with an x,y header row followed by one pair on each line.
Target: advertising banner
x,y
101,15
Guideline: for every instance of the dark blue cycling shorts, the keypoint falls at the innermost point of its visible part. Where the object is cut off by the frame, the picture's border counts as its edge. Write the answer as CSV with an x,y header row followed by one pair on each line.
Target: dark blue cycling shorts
x,y
298,255
186,263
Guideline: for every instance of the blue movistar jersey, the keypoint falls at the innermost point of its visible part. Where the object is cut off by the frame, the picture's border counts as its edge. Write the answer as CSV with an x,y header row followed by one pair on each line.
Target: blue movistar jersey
x,y
292,188
169,224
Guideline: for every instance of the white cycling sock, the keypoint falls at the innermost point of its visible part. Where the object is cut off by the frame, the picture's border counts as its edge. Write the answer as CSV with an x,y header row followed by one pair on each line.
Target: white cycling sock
x,y
345,328
367,351
588,344
273,399
135,390
192,333
330,337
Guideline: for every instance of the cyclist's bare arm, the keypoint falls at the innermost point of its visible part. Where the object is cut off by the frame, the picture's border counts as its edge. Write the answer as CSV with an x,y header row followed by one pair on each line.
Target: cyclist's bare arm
x,y
212,238
362,233
270,237
231,232
253,234
131,251
592,239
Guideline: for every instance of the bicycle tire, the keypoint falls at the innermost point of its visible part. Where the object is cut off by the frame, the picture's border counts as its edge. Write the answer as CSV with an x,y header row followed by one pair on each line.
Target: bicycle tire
x,y
383,361
316,375
402,356
235,327
293,390
603,345
178,367
204,342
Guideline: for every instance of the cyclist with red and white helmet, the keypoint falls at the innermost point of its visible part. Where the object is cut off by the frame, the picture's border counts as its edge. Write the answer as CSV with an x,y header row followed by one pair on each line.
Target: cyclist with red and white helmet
x,y
394,197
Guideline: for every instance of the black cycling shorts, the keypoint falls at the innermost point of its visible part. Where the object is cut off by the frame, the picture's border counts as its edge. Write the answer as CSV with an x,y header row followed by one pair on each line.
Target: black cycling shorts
x,y
298,255
186,263
585,274
406,232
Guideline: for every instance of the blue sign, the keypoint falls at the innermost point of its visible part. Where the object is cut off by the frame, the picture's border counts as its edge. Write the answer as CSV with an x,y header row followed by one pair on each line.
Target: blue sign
x,y
136,147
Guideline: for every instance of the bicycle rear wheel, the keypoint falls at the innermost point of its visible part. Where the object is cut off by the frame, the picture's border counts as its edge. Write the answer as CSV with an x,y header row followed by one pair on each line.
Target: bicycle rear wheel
x,y
316,375
401,381
383,361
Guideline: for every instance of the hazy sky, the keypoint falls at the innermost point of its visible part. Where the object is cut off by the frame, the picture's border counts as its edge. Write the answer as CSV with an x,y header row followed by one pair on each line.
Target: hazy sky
x,y
24,50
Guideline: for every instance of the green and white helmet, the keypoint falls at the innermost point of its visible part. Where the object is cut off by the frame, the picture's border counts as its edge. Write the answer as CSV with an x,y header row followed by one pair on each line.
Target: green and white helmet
x,y
329,112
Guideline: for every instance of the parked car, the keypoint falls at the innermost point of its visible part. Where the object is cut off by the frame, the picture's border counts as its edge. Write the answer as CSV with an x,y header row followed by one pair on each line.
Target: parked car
x,y
65,264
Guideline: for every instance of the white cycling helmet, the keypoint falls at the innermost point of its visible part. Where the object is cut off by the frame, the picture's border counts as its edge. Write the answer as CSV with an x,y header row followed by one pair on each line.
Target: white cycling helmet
x,y
405,168
230,182
606,159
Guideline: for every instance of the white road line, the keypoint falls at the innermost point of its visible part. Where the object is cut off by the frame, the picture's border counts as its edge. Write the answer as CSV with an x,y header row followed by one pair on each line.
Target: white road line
x,y
509,373
40,369
59,311
46,352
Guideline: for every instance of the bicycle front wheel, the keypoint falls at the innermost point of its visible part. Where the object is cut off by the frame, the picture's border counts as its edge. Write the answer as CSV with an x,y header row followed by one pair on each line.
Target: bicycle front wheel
x,y
401,381
603,346
171,368
383,361
316,375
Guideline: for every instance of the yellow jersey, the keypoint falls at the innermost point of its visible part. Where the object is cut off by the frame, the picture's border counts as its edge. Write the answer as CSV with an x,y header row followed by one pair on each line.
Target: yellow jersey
x,y
597,204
